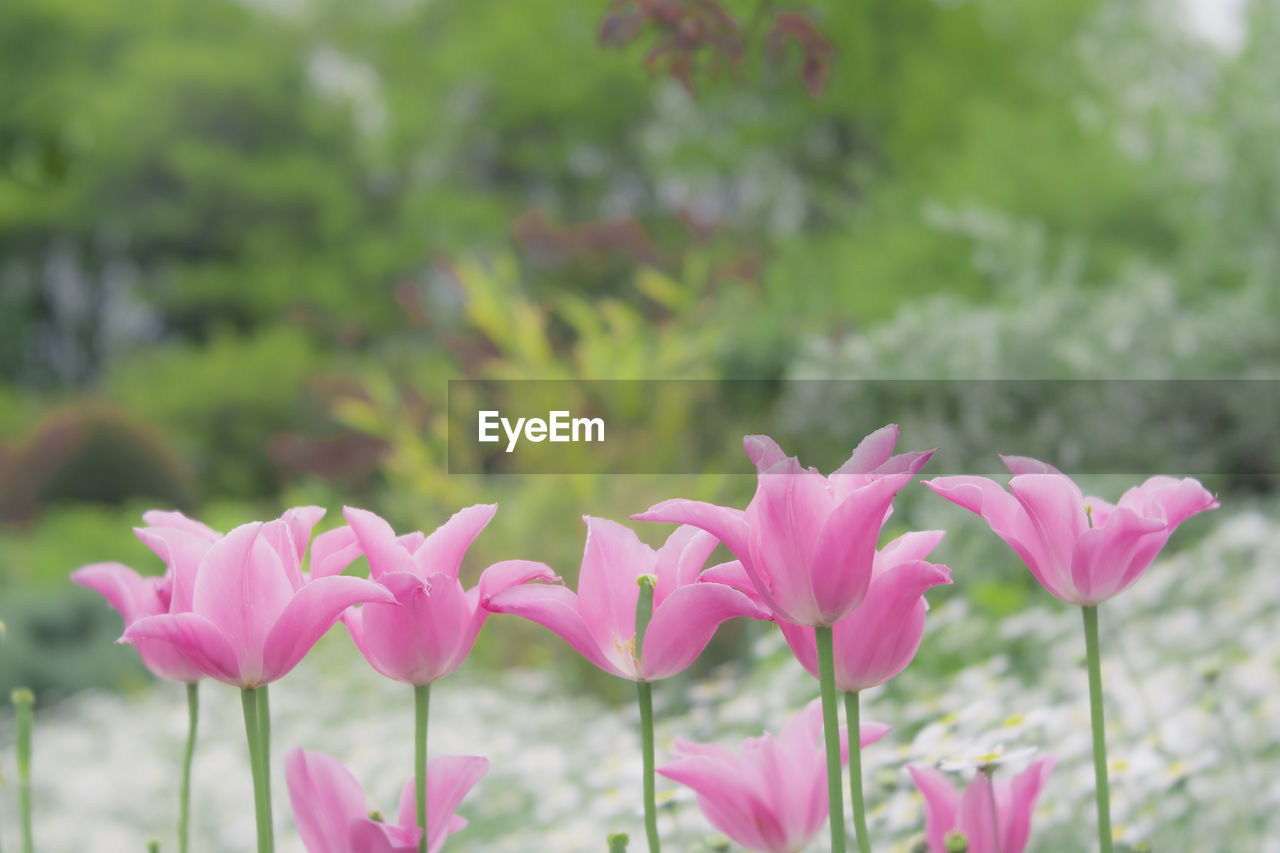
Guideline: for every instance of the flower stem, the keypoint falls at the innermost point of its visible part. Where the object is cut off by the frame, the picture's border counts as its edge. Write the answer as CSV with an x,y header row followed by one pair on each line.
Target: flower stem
x,y
1099,729
644,692
264,756
421,707
854,715
831,732
250,698
988,772
184,804
23,700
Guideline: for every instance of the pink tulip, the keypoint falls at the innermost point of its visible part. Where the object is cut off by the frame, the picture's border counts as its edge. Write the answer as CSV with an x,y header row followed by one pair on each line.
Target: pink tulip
x,y
806,541
252,613
1082,549
772,797
428,630
600,620
332,816
880,637
181,544
971,813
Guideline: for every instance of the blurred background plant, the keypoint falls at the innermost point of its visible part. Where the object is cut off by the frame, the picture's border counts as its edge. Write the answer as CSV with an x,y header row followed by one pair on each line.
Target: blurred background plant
x,y
244,247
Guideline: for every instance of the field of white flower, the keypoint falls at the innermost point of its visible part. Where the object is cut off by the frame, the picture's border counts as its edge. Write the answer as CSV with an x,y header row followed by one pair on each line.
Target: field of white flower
x,y
1190,663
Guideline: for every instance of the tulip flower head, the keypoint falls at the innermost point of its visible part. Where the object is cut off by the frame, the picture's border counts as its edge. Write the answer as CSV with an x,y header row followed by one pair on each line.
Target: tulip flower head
x,y
181,543
880,637
252,613
1081,549
807,542
772,797
428,629
599,621
951,815
332,816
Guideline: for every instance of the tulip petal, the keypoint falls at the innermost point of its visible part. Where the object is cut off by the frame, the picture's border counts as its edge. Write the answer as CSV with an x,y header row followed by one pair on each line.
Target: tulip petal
x,y
449,779
607,592
785,519
684,623
182,551
869,733
1008,520
763,451
554,607
941,803
734,575
444,549
173,518
378,542
1019,465
312,611
242,588
301,520
279,537
728,804
326,799
846,549
130,594
1055,508
915,545
681,558
1015,828
416,636
366,835
500,576
873,451
1110,559
877,640
334,550
974,814
726,524
1173,501
353,619
193,636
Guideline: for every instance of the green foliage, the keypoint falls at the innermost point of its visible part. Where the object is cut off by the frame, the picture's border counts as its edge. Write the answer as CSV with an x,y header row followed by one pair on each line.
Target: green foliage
x,y
90,451
223,401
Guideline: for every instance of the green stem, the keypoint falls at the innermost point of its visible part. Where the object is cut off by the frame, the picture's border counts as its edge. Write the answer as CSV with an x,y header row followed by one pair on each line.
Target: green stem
x,y
261,792
264,736
831,732
989,772
264,757
853,713
421,706
184,804
1099,729
644,692
23,700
